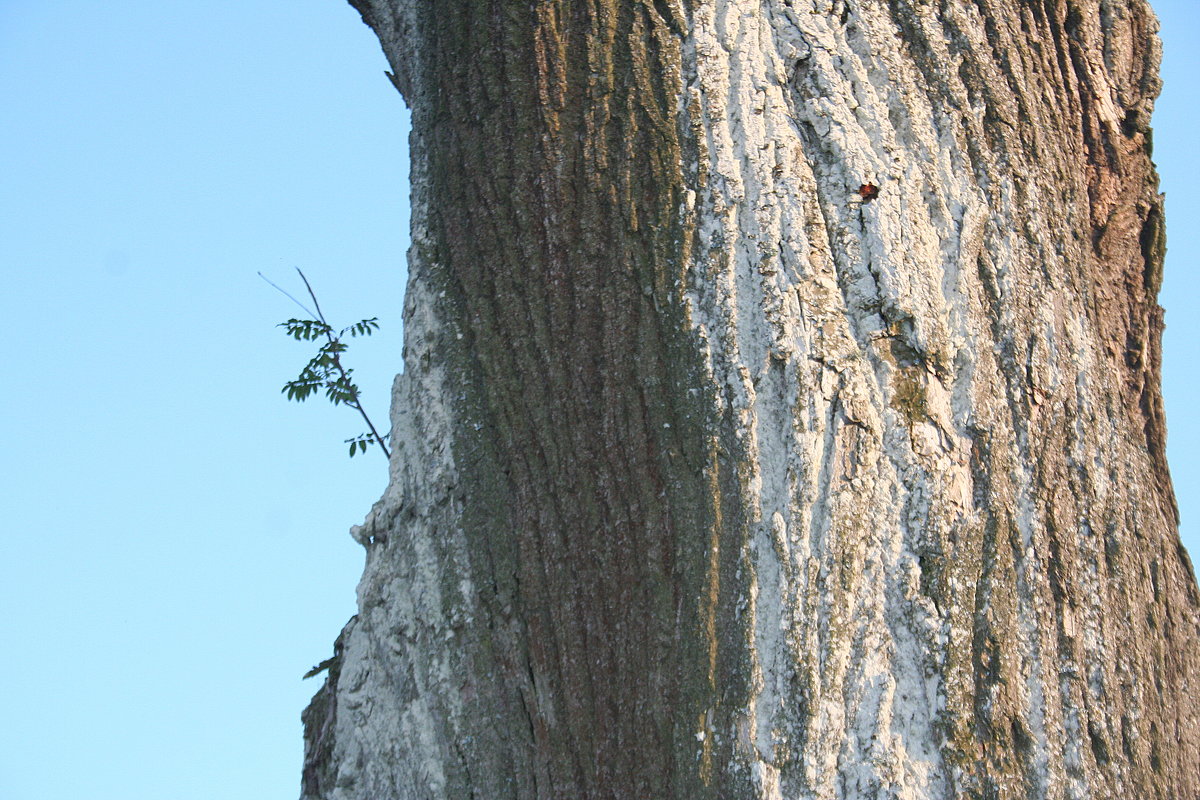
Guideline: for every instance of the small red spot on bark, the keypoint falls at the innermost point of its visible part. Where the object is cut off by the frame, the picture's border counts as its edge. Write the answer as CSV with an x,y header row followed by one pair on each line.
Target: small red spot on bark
x,y
868,192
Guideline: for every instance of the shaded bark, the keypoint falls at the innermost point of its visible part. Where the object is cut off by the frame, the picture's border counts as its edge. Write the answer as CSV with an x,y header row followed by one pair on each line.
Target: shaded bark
x,y
712,479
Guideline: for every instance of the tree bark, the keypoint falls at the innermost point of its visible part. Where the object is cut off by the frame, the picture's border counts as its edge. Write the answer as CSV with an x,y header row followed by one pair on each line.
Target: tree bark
x,y
716,478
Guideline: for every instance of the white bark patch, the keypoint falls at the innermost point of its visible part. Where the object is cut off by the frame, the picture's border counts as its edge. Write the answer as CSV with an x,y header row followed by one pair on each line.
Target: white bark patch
x,y
846,337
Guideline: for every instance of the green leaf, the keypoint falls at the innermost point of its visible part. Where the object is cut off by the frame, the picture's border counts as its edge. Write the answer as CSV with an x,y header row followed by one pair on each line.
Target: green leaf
x,y
360,443
341,391
299,390
363,328
305,329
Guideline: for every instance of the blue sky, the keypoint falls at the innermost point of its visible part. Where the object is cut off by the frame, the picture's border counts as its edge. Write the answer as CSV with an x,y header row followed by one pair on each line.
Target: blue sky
x,y
176,554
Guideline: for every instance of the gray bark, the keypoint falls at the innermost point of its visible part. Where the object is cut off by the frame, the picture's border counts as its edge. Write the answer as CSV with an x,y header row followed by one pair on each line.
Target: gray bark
x,y
713,479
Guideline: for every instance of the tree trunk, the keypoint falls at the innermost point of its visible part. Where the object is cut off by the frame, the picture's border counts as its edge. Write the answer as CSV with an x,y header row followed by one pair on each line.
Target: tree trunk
x,y
715,477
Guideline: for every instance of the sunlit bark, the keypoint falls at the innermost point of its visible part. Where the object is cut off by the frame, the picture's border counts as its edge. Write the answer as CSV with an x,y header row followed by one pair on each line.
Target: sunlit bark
x,y
717,477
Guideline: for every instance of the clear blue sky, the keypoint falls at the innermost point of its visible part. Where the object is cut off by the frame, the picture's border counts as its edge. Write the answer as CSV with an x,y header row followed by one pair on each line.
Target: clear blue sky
x,y
176,554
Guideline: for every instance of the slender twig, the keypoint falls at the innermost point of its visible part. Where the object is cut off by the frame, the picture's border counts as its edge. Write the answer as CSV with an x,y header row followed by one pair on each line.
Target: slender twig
x,y
312,294
288,296
354,402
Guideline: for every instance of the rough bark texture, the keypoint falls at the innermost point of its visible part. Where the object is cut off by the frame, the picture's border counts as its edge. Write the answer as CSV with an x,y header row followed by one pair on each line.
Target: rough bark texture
x,y
712,480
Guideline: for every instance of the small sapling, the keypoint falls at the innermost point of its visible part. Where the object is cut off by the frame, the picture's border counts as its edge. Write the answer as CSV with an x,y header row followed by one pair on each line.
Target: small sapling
x,y
324,371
